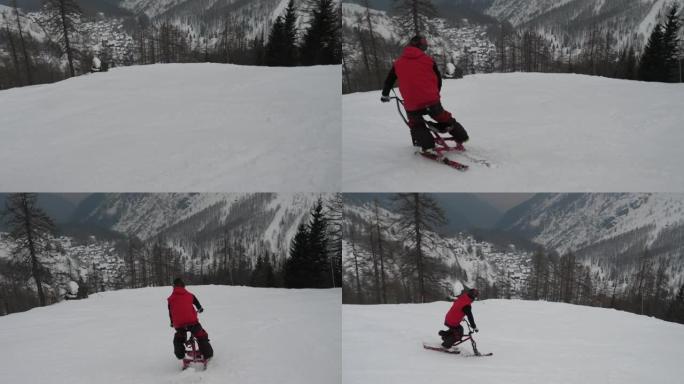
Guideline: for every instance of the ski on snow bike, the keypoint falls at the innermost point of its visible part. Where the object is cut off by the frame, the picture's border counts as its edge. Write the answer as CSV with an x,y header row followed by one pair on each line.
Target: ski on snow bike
x,y
464,338
441,142
193,356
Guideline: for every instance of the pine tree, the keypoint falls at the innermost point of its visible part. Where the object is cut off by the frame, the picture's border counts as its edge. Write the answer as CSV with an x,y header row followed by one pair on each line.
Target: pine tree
x,y
30,229
63,18
413,17
290,35
671,45
318,246
298,267
308,266
275,47
13,49
651,66
322,44
420,214
675,311
27,61
263,275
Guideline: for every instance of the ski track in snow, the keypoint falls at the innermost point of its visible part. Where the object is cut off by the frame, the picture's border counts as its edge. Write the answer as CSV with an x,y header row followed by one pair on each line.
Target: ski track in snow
x,y
175,127
532,342
258,335
542,132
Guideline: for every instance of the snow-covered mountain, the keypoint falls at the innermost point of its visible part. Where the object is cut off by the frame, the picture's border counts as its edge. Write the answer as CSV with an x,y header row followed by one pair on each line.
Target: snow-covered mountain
x,y
532,342
569,222
611,233
573,20
208,18
124,337
111,24
267,221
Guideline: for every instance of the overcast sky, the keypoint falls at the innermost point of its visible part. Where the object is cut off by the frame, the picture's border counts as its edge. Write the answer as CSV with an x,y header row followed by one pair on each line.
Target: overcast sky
x,y
504,201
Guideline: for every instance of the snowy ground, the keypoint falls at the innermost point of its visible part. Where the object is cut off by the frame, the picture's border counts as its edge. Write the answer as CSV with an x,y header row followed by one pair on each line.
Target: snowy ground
x,y
542,132
532,342
175,127
259,336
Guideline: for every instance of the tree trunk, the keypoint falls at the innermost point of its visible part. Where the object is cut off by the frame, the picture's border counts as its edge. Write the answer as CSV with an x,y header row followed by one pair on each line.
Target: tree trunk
x,y
419,251
35,268
15,58
67,44
27,62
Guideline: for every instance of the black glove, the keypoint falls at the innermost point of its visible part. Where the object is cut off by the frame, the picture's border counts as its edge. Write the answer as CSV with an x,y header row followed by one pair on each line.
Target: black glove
x,y
385,99
171,325
200,310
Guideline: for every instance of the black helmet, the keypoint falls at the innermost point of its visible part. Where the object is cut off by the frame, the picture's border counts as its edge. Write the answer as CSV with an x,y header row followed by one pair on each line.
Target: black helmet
x,y
178,282
419,42
473,293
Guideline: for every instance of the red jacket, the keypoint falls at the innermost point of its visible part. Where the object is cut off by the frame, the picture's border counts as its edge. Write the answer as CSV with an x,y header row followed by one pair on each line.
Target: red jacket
x,y
456,314
181,308
419,79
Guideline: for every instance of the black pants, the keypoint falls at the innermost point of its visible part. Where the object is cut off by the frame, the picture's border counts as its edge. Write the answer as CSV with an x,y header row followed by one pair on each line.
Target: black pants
x,y
202,341
452,336
420,134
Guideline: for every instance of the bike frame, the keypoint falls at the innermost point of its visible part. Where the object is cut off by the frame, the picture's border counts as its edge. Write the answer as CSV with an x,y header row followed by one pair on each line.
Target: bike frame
x,y
441,142
469,336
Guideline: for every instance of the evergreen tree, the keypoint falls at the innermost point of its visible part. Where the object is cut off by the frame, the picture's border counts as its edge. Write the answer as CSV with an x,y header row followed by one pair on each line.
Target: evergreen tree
x,y
275,48
307,266
30,229
420,214
263,275
676,310
671,45
652,64
27,61
660,60
290,35
413,16
63,18
322,43
298,267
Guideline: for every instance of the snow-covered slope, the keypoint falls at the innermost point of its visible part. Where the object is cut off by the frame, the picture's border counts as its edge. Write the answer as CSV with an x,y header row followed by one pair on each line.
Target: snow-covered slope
x,y
532,342
541,132
258,336
175,127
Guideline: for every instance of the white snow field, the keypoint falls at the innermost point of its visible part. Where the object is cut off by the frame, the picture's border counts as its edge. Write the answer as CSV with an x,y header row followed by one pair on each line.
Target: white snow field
x,y
258,335
532,342
175,127
542,132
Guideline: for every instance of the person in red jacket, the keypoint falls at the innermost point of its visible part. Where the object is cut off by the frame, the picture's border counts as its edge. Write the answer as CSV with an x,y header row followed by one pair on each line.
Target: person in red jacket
x,y
420,83
184,318
459,309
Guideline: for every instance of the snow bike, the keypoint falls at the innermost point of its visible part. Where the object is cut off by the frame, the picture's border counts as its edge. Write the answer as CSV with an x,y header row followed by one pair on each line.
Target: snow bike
x,y
441,143
193,356
468,336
